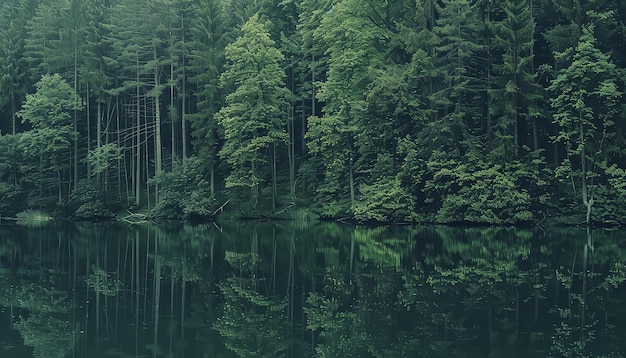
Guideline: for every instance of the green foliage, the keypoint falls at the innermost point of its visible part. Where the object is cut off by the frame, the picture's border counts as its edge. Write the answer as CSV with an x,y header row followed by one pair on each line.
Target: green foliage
x,y
586,104
253,117
185,193
10,196
365,100
51,105
46,147
477,192
86,201
515,95
101,158
384,201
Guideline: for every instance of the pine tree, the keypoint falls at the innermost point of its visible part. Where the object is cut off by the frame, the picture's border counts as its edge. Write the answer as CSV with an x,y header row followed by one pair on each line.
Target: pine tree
x,y
206,61
458,29
253,116
13,65
514,92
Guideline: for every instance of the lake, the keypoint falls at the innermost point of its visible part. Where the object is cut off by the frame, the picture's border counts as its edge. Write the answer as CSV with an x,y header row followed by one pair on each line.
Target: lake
x,y
299,289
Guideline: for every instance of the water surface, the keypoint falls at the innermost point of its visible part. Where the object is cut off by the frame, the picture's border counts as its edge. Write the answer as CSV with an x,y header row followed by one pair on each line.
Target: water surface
x,y
298,289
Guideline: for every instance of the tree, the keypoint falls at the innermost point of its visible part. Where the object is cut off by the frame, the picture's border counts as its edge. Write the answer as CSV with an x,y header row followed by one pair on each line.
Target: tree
x,y
136,39
331,138
515,93
253,117
49,110
13,65
585,103
11,158
205,64
458,29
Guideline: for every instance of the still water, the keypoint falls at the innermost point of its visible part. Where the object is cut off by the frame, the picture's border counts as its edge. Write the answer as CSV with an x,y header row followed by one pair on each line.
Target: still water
x,y
297,289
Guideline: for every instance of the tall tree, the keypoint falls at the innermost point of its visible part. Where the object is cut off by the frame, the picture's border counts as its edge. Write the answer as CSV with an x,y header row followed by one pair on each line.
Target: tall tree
x,y
130,51
331,138
94,75
514,93
137,40
458,30
48,111
253,116
13,65
586,103
205,64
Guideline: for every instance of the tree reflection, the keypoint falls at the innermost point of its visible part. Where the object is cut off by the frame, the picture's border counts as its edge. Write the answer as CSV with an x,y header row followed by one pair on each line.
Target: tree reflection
x,y
49,336
582,327
328,290
252,324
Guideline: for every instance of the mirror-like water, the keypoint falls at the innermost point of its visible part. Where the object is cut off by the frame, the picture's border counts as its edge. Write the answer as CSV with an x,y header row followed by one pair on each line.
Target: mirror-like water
x,y
301,289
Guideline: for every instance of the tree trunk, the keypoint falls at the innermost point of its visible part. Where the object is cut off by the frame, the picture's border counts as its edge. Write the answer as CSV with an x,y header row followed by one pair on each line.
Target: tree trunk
x,y
172,107
274,188
157,120
88,130
75,118
212,178
184,92
99,134
137,141
587,200
351,183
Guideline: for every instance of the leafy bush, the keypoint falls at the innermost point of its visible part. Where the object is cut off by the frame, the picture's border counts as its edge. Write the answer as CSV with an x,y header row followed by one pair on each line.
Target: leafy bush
x,y
384,201
184,193
10,202
87,204
478,192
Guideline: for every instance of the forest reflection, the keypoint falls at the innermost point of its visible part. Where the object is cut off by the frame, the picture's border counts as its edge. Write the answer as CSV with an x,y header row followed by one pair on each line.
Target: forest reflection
x,y
297,289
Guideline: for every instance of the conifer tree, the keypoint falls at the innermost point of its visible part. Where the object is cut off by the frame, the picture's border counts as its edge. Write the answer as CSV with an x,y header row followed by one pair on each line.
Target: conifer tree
x,y
206,60
13,65
253,115
514,92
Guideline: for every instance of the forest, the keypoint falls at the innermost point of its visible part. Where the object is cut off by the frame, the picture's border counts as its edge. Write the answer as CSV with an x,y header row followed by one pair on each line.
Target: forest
x,y
448,111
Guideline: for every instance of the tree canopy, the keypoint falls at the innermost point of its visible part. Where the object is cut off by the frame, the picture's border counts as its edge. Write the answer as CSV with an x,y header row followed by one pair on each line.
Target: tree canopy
x,y
432,111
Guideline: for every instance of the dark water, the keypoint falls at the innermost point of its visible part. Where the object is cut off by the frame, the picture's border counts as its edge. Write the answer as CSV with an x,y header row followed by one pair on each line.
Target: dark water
x,y
301,289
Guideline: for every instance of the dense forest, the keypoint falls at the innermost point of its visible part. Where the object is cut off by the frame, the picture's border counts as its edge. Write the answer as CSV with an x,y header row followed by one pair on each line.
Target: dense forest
x,y
449,111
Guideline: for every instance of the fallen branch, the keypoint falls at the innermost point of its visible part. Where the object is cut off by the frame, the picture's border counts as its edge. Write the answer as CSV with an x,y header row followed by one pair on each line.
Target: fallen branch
x,y
135,218
221,208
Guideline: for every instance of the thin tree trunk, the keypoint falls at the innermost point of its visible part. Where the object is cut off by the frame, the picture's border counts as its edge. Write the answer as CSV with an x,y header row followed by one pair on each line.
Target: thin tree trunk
x,y
157,120
352,194
119,160
183,122
587,201
99,135
146,151
88,131
212,178
59,184
138,142
172,107
274,188
75,112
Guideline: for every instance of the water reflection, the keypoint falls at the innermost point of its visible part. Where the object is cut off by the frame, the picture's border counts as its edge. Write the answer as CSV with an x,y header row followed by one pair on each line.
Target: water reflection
x,y
292,290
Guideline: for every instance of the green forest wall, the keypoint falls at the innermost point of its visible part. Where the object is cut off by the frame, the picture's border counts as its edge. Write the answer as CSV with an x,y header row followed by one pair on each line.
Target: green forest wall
x,y
450,111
